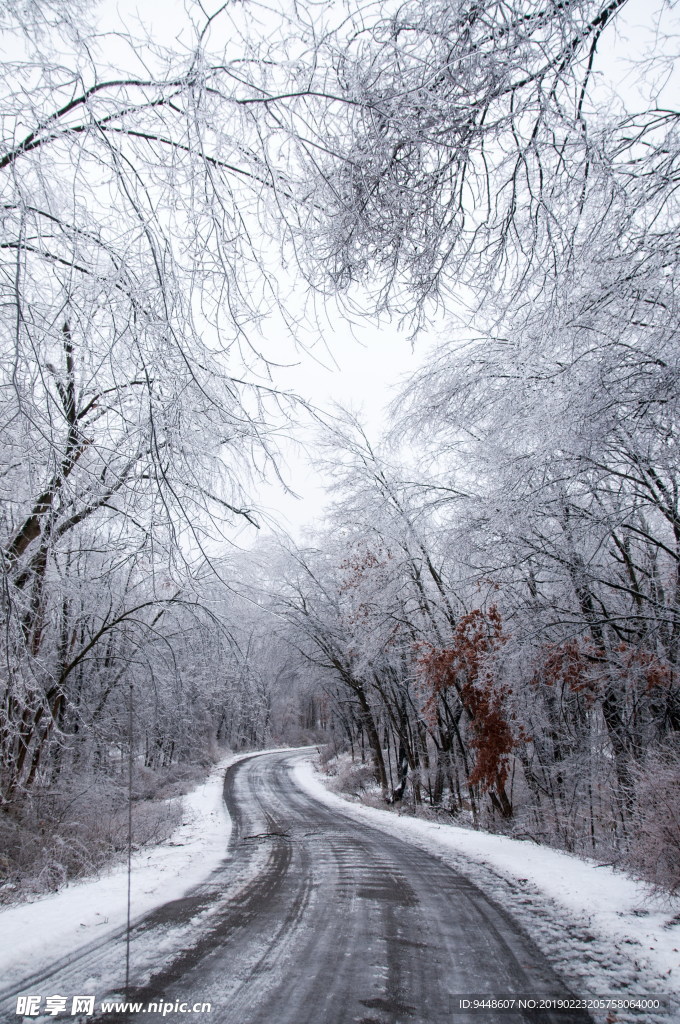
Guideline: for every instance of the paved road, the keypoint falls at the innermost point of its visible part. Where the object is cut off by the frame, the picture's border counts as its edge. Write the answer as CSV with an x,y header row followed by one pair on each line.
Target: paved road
x,y
317,919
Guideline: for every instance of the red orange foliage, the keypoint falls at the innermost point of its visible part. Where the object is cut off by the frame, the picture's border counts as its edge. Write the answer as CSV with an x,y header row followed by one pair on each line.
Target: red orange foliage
x,y
466,665
643,665
569,665
356,571
573,665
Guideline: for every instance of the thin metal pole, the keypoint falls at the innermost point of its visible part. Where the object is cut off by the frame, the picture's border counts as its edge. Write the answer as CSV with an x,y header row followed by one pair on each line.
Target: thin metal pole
x,y
129,843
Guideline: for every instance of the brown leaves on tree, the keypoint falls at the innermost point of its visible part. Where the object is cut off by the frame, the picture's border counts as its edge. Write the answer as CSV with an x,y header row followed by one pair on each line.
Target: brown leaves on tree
x,y
468,666
578,666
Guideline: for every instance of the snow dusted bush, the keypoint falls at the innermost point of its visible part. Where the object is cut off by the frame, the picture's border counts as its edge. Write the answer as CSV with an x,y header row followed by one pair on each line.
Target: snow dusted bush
x,y
350,777
327,756
78,828
160,784
654,852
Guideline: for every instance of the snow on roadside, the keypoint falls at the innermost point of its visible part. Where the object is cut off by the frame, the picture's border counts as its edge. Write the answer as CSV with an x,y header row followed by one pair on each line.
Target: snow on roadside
x,y
33,935
602,930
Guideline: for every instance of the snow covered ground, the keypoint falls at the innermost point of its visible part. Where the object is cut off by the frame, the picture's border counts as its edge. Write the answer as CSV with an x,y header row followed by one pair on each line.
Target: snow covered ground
x,y
605,932
33,935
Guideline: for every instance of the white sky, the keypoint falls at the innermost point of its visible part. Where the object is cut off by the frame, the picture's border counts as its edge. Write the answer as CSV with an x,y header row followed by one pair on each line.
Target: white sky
x,y
371,361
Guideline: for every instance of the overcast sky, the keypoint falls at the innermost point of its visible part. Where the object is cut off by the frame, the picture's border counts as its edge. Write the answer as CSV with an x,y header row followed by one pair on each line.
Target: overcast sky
x,y
370,364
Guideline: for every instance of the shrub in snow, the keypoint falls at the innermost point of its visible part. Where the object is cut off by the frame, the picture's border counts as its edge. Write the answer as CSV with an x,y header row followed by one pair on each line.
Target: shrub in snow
x,y
77,828
654,851
350,777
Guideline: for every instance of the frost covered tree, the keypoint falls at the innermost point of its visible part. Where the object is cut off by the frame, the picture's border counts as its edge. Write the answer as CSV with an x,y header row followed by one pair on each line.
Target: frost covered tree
x,y
453,143
134,402
476,163
499,616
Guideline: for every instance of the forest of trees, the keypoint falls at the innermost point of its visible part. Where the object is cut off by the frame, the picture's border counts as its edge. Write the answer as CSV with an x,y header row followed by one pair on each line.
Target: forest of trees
x,y
491,614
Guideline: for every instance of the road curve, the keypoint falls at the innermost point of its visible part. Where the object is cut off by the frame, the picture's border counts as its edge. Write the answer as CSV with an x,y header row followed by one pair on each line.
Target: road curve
x,y
318,919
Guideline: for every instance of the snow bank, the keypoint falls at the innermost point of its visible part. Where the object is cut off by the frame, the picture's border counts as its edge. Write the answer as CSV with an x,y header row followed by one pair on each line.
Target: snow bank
x,y
32,935
602,929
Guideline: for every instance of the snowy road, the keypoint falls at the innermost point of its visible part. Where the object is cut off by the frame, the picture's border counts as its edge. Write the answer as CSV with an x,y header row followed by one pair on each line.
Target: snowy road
x,y
318,919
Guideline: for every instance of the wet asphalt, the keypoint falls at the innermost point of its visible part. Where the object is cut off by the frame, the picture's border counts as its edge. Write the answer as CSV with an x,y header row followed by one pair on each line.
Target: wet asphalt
x,y
315,918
